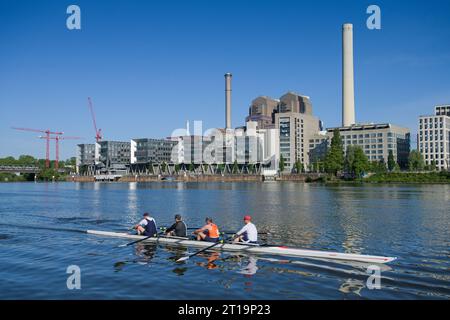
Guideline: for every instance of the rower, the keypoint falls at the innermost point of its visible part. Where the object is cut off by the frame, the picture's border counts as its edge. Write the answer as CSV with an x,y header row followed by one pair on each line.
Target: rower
x,y
147,226
209,232
178,229
248,233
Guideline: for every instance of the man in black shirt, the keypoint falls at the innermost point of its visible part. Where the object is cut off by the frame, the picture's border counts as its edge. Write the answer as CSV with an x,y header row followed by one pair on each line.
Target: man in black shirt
x,y
178,229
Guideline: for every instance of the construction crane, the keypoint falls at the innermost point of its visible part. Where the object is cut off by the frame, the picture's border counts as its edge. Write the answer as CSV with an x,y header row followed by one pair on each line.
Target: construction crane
x,y
98,132
47,137
57,139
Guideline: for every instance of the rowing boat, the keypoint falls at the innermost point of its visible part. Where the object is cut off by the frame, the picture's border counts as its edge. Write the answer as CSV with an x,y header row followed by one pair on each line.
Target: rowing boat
x,y
251,249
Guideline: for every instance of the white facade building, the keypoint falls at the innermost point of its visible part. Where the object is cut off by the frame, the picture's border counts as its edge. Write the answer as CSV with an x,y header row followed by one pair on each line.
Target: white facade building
x,y
433,140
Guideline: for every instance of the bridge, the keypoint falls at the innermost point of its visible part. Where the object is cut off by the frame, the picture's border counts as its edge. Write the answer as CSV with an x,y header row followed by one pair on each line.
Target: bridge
x,y
20,169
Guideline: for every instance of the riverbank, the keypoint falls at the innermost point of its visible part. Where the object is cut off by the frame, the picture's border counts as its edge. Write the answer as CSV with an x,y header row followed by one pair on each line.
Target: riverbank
x,y
409,177
394,178
389,177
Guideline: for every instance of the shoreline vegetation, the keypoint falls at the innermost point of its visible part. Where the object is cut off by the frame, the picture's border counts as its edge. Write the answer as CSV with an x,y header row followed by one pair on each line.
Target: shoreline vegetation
x,y
442,177
44,174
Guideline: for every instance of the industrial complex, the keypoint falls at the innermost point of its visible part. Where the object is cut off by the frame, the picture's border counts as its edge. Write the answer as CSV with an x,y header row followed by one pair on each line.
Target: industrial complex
x,y
275,128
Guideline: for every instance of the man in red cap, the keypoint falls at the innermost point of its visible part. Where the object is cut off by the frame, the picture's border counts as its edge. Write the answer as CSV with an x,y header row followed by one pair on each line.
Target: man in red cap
x,y
248,233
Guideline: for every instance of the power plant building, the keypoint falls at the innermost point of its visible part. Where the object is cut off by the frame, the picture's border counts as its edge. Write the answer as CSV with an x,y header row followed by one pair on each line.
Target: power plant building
x,y
262,110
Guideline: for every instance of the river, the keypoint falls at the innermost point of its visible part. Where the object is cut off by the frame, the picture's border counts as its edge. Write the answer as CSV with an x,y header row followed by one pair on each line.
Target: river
x,y
411,222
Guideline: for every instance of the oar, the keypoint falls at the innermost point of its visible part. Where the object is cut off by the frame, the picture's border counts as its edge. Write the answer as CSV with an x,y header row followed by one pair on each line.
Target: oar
x,y
200,251
137,241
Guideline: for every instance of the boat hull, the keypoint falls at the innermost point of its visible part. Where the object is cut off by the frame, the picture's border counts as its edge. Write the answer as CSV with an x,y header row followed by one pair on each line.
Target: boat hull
x,y
251,249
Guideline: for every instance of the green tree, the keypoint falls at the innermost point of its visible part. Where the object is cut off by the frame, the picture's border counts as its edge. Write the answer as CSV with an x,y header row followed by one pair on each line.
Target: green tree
x,y
191,167
298,166
349,159
433,165
360,163
391,161
26,160
48,174
281,164
334,160
415,161
356,161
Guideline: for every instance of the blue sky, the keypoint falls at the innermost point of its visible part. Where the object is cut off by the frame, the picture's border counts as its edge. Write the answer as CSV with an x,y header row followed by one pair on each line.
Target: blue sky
x,y
149,66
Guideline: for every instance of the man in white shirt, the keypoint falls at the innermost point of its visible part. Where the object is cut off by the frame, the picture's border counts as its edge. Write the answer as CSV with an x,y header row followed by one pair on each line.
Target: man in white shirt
x,y
248,233
147,226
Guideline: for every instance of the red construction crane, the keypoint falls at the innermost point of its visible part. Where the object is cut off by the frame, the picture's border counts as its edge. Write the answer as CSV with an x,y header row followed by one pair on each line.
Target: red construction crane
x,y
47,137
57,138
98,132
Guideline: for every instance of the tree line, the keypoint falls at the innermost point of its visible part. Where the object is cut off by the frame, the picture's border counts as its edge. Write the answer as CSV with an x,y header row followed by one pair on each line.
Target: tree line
x,y
45,174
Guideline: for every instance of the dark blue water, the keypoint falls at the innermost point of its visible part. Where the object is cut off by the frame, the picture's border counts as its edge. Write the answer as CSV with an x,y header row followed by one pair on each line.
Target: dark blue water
x,y
411,222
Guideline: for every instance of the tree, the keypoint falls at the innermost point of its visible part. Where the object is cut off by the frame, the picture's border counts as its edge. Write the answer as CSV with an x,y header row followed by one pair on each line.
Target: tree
x,y
298,166
349,159
334,160
433,165
281,164
415,161
48,174
26,160
391,161
191,167
356,161
361,163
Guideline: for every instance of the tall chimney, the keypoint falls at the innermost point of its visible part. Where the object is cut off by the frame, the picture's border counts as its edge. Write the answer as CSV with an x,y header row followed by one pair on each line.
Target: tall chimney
x,y
348,89
228,77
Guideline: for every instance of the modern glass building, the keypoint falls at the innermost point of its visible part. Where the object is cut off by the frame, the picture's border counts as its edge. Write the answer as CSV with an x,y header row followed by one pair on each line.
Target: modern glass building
x,y
152,151
115,154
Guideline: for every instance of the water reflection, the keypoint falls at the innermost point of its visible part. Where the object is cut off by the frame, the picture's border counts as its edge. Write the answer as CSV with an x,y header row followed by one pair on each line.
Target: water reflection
x,y
210,258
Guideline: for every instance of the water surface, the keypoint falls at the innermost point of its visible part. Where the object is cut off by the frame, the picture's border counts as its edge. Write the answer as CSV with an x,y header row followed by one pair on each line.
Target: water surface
x,y
411,222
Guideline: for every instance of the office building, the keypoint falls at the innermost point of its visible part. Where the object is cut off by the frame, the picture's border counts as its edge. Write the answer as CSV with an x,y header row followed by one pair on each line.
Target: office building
x,y
434,137
297,126
153,151
377,140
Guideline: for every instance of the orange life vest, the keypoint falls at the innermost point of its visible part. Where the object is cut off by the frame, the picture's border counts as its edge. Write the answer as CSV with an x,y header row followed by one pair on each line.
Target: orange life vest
x,y
213,231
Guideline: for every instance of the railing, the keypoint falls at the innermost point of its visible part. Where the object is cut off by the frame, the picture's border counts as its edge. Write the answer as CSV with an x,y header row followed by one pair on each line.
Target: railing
x,y
25,169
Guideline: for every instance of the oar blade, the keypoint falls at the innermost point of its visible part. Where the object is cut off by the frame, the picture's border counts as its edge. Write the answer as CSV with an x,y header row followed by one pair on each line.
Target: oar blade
x,y
183,259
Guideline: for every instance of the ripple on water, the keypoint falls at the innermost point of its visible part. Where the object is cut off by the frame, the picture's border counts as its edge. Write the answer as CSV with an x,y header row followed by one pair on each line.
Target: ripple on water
x,y
408,222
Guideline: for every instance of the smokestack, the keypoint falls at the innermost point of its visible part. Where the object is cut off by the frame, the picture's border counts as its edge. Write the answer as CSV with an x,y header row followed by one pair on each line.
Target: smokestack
x,y
228,77
348,89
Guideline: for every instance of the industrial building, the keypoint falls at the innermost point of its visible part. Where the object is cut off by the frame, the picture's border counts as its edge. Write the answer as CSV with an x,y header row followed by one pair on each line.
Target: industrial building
x,y
434,137
296,129
292,116
262,110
